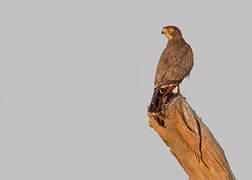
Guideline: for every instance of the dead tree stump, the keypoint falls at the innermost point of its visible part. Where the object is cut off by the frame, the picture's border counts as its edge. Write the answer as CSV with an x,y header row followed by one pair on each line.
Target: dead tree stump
x,y
190,141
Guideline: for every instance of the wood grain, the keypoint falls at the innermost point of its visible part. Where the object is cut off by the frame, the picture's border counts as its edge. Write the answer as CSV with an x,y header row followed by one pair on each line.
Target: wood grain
x,y
190,141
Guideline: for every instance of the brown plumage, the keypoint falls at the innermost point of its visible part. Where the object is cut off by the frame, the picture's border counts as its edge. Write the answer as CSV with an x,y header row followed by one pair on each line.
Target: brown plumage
x,y
175,63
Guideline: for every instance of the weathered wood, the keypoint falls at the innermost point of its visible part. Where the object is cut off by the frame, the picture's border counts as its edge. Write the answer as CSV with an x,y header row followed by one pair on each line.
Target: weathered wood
x,y
190,141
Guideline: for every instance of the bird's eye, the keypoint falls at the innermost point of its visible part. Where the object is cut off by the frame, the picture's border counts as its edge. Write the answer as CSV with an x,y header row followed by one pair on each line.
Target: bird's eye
x,y
171,30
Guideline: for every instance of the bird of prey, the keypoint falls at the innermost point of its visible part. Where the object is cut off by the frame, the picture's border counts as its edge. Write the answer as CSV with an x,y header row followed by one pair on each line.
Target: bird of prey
x,y
175,63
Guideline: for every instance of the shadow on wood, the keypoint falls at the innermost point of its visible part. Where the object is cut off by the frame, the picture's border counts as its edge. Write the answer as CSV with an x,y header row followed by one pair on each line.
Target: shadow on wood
x,y
190,141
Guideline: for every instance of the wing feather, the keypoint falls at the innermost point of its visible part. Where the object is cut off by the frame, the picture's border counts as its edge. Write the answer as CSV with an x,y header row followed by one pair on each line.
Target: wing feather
x,y
174,66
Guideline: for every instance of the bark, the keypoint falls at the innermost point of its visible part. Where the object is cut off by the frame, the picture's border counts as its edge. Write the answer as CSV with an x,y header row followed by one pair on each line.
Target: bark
x,y
190,141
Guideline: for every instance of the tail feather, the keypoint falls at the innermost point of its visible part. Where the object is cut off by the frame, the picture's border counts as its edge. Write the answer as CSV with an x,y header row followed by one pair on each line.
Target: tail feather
x,y
155,100
157,96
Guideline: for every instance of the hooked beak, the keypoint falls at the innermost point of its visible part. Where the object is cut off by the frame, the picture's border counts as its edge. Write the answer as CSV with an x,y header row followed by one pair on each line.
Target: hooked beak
x,y
164,31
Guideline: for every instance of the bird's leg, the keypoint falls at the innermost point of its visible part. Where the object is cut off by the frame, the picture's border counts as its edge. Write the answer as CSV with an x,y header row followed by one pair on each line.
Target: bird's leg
x,y
178,90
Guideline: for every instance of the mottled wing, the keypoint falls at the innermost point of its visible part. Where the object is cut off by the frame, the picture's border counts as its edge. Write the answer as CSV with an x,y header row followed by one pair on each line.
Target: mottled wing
x,y
174,66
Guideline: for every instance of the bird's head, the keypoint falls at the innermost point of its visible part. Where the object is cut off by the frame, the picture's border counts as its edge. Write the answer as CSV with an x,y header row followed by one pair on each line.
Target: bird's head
x,y
171,32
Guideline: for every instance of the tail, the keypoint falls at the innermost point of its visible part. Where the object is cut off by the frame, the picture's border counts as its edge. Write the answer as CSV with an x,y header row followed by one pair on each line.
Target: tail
x,y
155,100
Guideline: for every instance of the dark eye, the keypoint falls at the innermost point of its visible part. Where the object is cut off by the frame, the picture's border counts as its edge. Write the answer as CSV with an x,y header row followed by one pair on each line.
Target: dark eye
x,y
171,30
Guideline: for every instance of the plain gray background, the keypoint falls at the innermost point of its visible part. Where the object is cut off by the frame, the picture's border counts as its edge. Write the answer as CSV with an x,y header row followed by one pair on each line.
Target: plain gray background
x,y
76,78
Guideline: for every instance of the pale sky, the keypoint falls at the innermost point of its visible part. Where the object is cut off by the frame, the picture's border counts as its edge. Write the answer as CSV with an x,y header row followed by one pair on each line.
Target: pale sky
x,y
76,78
